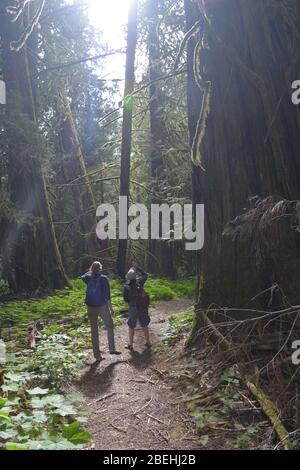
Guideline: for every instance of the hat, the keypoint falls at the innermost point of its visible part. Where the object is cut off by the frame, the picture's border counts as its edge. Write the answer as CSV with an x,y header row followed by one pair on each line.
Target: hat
x,y
131,275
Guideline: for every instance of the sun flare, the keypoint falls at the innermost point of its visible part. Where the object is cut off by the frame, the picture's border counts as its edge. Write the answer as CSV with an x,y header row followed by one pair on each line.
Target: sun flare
x,y
110,16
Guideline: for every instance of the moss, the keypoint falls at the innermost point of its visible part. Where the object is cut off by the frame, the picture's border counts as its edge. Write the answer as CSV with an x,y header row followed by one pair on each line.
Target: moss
x,y
178,323
70,301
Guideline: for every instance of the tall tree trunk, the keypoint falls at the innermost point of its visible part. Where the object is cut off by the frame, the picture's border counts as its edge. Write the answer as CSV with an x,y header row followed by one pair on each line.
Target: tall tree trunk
x,y
251,145
160,251
156,112
194,100
30,248
127,124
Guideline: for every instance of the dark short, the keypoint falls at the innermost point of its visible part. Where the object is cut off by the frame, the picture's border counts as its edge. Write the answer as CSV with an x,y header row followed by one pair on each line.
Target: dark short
x,y
138,315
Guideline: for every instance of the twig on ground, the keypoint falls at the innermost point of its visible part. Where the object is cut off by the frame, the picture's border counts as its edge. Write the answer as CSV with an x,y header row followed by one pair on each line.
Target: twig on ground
x,y
248,400
102,398
101,411
118,429
156,419
143,407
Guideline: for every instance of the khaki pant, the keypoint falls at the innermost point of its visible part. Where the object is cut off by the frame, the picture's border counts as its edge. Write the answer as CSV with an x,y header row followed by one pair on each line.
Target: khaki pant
x,y
93,313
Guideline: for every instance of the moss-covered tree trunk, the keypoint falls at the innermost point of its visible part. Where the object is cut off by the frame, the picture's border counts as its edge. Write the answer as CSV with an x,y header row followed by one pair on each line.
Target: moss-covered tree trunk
x,y
30,250
251,145
127,125
75,174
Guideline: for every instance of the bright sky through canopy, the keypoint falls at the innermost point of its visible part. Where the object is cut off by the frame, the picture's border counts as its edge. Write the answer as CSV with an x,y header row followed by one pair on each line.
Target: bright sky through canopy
x,y
110,17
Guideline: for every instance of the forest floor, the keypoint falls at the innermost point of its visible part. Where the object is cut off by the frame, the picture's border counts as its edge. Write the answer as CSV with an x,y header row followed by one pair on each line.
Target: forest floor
x,y
165,399
131,405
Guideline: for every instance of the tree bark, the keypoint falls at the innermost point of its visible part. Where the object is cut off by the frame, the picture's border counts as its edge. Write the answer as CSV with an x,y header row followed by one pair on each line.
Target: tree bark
x,y
32,257
127,124
251,144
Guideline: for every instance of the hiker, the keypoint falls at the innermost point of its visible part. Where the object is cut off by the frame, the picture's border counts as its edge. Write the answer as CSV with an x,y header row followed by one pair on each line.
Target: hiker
x,y
138,302
99,303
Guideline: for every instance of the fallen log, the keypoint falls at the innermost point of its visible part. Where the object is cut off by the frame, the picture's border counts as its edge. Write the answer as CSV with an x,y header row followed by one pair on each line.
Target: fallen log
x,y
270,411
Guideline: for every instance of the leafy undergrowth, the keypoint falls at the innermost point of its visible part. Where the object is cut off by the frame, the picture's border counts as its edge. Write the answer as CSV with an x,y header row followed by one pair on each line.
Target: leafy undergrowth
x,y
70,301
225,413
35,412
69,304
179,324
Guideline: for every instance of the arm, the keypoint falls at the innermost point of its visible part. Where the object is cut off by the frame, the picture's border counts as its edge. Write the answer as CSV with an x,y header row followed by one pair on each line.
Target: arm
x,y
86,278
108,296
110,307
144,275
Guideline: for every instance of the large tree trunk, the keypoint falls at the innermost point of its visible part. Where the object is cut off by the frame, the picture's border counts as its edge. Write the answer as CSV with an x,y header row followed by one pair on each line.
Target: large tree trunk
x,y
194,99
251,145
127,124
32,257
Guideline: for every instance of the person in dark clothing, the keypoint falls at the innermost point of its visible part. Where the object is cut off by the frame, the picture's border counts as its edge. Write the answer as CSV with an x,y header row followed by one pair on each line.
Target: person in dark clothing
x,y
138,302
98,302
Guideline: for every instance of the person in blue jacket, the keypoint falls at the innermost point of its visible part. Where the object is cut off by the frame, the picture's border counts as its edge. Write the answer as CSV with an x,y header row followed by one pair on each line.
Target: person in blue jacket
x,y
98,302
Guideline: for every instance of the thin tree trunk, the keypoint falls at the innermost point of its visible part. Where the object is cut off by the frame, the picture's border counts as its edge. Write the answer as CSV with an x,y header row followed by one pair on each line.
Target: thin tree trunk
x,y
160,252
127,124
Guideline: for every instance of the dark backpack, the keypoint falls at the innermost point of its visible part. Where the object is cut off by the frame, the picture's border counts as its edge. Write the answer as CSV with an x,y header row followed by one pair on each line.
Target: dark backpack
x,y
142,300
137,294
126,293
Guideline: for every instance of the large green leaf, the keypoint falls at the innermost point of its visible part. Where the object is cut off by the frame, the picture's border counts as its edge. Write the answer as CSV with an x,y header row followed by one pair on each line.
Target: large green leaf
x,y
8,434
76,434
38,391
51,444
16,446
2,402
4,415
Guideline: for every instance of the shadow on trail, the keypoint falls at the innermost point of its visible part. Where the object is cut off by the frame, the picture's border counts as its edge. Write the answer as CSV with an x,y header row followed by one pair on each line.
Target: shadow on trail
x,y
97,383
142,360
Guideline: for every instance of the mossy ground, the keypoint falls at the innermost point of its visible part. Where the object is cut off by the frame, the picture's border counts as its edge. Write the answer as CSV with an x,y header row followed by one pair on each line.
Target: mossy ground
x,y
66,311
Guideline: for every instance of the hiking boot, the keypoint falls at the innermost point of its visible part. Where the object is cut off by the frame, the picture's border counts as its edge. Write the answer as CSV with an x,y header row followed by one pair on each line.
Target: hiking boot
x,y
95,361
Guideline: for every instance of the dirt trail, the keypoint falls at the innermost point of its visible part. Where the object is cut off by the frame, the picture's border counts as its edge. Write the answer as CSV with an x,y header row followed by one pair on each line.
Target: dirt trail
x,y
131,405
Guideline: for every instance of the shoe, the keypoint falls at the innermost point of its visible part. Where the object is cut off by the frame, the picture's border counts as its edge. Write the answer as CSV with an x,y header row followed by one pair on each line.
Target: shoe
x,y
115,352
95,361
129,346
148,345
